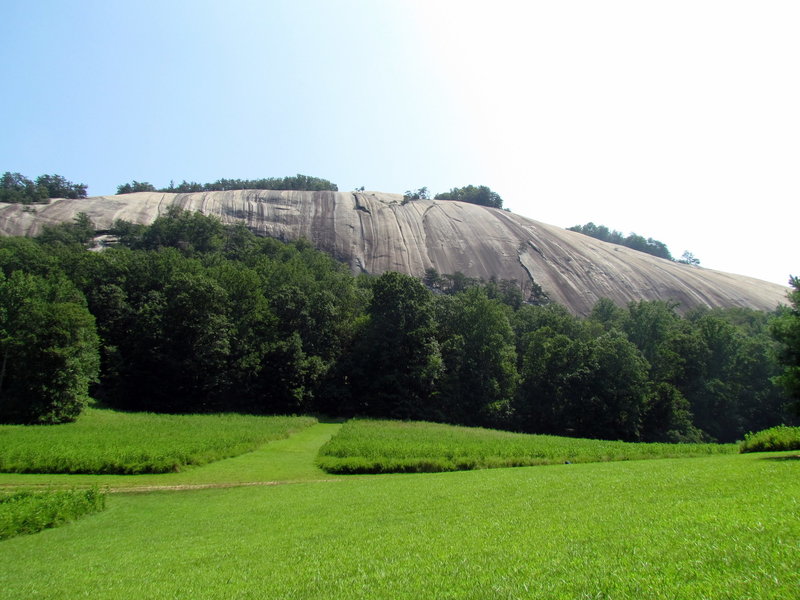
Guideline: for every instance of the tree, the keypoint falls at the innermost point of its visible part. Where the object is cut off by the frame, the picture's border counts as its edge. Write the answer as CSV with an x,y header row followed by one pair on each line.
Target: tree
x,y
296,182
48,349
80,231
15,188
553,371
786,330
196,344
615,405
431,279
585,386
668,417
608,314
135,186
479,357
649,324
396,361
600,232
688,258
190,232
633,241
480,195
420,194
58,187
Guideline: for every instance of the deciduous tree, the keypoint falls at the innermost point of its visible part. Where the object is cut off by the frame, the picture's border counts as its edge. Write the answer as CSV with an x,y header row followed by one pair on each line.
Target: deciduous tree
x,y
48,349
786,329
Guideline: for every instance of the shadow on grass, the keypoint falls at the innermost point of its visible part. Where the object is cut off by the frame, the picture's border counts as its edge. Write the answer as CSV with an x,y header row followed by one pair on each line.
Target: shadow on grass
x,y
329,420
790,457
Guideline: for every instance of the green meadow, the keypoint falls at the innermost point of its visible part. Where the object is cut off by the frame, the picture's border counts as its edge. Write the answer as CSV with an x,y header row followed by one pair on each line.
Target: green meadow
x,y
715,526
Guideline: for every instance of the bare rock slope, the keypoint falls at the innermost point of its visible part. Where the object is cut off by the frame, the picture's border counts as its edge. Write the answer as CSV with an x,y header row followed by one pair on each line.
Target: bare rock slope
x,y
375,232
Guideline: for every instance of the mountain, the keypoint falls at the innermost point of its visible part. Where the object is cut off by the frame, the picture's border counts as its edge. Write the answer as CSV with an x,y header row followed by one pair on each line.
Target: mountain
x,y
375,232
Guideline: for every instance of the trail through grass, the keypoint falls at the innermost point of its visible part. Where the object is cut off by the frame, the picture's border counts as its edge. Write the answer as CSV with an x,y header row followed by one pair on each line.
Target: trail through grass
x,y
712,528
375,446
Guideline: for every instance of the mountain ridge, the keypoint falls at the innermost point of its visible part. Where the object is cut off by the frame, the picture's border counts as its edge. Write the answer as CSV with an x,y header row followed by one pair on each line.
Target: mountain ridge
x,y
376,232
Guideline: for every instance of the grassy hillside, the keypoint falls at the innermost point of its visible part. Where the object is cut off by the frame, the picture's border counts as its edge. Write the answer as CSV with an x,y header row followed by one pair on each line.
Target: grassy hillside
x,y
373,446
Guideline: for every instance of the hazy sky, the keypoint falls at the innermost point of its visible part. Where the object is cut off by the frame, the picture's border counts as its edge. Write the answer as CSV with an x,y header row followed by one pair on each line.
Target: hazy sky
x,y
675,120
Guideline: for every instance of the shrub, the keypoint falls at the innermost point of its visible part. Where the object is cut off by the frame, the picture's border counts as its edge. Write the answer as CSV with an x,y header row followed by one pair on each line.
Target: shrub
x,y
28,511
773,439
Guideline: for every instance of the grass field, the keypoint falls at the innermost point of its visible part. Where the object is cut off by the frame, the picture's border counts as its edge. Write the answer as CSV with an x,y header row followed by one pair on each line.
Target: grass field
x,y
721,526
106,441
373,446
716,527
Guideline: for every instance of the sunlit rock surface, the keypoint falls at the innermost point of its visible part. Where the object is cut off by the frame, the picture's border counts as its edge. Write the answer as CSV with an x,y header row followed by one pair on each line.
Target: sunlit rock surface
x,y
375,232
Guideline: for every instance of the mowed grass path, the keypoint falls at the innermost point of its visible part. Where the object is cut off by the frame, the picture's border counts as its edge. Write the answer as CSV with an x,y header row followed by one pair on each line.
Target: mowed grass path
x,y
285,460
718,527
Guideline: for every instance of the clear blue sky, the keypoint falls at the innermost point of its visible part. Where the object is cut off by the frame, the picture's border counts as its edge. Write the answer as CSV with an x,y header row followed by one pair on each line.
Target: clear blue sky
x,y
677,120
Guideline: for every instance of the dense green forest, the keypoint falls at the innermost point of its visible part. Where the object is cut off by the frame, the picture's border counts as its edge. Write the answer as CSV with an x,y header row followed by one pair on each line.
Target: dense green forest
x,y
188,315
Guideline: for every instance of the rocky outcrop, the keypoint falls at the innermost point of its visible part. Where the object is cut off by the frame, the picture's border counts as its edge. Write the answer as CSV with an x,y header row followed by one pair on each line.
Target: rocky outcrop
x,y
376,232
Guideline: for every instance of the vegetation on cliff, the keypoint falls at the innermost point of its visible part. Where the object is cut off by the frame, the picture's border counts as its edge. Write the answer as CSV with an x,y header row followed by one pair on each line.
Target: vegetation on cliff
x,y
16,188
473,194
633,241
296,182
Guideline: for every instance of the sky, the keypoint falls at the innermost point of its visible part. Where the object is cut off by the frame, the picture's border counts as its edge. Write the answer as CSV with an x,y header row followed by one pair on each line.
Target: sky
x,y
675,120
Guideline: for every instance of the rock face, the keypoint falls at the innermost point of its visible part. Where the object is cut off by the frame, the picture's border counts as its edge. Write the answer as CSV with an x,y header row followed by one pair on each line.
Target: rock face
x,y
375,232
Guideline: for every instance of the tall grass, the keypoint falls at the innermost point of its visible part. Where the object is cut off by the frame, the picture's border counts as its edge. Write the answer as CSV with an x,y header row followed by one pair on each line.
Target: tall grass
x,y
367,446
105,441
25,511
772,440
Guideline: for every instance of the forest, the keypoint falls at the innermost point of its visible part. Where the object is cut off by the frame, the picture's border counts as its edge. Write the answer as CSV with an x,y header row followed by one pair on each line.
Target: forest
x,y
190,316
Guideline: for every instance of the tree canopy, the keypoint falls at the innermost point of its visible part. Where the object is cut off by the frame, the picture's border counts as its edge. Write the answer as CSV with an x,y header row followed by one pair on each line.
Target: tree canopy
x,y
418,194
295,182
48,349
481,195
16,188
633,240
135,186
786,329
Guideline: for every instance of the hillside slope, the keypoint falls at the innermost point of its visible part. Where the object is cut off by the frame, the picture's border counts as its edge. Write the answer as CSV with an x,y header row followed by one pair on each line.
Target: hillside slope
x,y
375,232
